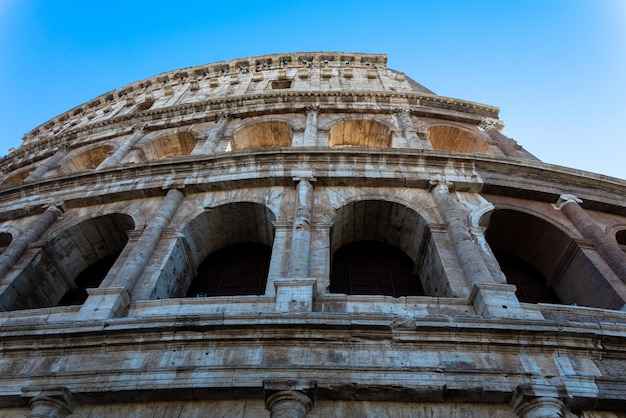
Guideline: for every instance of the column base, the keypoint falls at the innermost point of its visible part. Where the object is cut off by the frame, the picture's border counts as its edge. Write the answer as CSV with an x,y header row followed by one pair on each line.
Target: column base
x,y
110,302
499,300
295,295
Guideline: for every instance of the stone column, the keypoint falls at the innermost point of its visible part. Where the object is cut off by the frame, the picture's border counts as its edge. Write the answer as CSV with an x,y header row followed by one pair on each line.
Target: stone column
x,y
214,136
537,402
49,401
607,247
300,249
289,399
140,255
464,247
32,233
488,297
508,146
310,128
121,152
46,165
406,124
106,302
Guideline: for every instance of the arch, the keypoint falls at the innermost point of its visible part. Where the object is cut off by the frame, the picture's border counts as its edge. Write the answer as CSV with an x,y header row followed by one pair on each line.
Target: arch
x,y
17,177
363,226
620,236
619,233
452,138
170,145
480,216
262,134
5,240
75,259
85,160
235,234
545,263
359,133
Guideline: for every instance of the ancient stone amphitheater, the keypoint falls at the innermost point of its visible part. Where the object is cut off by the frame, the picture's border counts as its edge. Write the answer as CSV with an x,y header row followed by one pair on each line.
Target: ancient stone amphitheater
x,y
304,234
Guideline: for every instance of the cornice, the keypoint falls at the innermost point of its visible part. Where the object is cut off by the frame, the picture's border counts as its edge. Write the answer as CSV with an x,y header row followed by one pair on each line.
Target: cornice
x,y
254,168
420,104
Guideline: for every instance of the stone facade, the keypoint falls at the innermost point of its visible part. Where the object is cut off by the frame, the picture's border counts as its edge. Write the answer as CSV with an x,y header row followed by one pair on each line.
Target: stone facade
x,y
307,234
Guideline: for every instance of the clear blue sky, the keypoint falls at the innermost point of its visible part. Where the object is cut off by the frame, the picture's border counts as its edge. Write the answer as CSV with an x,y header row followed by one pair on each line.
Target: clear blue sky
x,y
556,68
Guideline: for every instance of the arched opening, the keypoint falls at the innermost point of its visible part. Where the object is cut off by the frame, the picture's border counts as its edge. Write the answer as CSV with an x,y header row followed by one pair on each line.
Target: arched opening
x,y
239,269
17,177
87,160
373,268
168,146
450,138
530,283
263,134
359,133
545,263
74,260
394,243
5,240
233,245
620,236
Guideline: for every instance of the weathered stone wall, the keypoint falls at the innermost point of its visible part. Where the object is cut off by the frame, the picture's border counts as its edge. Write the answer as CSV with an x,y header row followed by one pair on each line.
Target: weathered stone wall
x,y
304,153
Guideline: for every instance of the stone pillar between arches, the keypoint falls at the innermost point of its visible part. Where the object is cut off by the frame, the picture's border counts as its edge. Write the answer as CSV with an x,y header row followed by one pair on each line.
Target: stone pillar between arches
x,y
106,302
488,297
295,292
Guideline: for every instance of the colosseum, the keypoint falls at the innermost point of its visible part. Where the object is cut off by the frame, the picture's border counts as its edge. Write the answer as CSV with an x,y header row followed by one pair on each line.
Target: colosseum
x,y
304,234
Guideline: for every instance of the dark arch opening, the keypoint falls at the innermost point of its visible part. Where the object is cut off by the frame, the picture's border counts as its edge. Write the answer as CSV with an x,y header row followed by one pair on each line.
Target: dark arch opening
x,y
545,263
5,239
530,283
238,229
620,236
239,269
74,260
397,226
90,278
373,268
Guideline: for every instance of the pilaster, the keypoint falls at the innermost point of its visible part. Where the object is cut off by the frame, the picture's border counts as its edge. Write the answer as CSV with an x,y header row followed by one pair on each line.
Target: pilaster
x,y
49,401
289,398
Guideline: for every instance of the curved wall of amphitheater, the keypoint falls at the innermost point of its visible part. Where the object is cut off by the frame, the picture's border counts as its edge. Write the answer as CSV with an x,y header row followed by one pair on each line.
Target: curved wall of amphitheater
x,y
307,233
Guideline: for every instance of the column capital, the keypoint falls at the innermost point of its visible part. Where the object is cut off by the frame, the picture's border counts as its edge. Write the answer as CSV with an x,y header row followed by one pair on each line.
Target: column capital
x,y
49,401
298,179
174,186
538,401
440,182
487,123
289,398
312,108
565,199
57,207
140,127
223,115
406,110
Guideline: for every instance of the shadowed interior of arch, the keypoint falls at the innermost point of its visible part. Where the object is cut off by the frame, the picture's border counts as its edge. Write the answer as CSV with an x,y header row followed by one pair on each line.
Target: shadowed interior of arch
x,y
450,138
232,245
545,263
168,146
373,268
5,240
262,134
75,259
359,133
620,237
87,160
239,269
